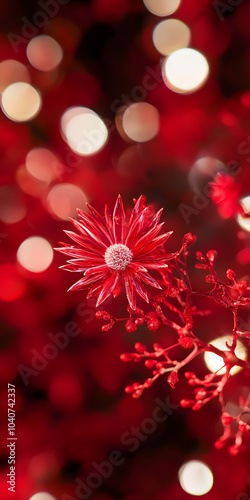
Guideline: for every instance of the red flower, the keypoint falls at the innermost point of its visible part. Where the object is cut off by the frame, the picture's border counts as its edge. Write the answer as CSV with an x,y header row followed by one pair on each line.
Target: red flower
x,y
111,251
225,193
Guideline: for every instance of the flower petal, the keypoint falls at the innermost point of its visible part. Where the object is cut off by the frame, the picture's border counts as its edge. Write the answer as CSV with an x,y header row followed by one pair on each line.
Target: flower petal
x,y
95,223
139,206
83,282
151,245
136,227
92,234
107,288
119,221
129,290
149,280
146,239
139,288
73,268
98,269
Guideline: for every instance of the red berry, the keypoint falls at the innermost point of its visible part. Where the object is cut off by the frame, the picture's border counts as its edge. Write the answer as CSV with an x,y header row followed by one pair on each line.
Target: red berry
x,y
219,444
234,449
173,379
189,375
188,239
148,383
126,357
200,395
186,403
153,324
186,342
140,347
106,328
139,321
226,418
150,362
211,255
243,427
197,405
130,326
129,389
103,315
231,274
200,256
136,394
210,279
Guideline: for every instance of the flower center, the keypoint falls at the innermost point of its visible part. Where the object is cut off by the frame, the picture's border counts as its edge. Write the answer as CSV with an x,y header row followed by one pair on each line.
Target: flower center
x,y
118,256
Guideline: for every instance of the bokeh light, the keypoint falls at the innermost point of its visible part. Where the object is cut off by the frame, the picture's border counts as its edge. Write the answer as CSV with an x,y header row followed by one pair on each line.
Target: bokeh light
x,y
35,254
215,362
43,466
244,222
84,131
171,35
30,184
204,170
141,122
44,53
21,102
185,70
64,199
43,164
12,71
162,7
42,496
13,285
195,478
12,208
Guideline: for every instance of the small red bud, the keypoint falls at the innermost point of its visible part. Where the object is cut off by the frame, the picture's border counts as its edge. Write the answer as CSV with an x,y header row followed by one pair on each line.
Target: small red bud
x,y
153,324
136,385
140,347
106,328
210,279
231,275
200,256
242,286
200,395
226,418
243,427
192,381
211,255
130,326
173,379
234,449
150,362
148,383
129,389
137,394
103,315
158,365
186,342
126,357
188,239
220,443
197,405
139,321
189,375
186,403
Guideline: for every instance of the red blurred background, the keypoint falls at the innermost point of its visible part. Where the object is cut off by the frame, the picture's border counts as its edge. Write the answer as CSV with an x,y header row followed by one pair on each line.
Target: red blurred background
x,y
71,409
